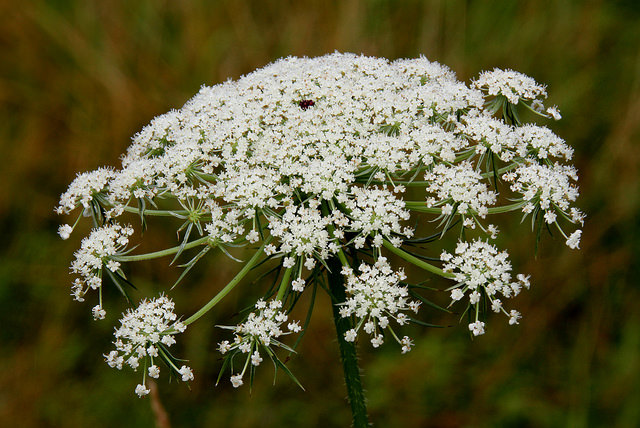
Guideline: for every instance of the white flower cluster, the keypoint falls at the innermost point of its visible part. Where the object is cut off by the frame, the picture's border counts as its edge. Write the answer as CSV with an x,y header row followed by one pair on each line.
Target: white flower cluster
x,y
374,299
377,212
482,272
95,253
510,84
82,190
551,189
303,231
261,329
315,155
316,127
543,142
143,334
459,185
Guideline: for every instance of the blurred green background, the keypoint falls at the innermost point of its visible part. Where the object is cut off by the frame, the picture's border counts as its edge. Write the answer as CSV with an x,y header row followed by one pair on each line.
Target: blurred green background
x,y
79,78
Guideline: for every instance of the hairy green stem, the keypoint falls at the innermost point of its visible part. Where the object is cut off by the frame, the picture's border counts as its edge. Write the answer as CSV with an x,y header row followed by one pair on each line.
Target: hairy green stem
x,y
347,349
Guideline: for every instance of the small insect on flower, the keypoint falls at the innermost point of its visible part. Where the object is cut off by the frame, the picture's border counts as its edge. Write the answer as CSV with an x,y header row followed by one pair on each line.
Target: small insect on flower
x,y
305,104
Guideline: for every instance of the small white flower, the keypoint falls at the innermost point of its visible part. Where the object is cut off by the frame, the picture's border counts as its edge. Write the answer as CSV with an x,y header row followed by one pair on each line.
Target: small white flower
x,y
98,312
154,371
350,335
141,390
573,241
256,359
186,372
554,112
294,327
236,380
253,236
65,231
407,344
168,340
514,316
376,341
298,285
309,263
456,294
224,346
477,328
474,297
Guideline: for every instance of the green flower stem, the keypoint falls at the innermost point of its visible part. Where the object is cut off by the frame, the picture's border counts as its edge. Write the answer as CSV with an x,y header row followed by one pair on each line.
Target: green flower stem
x,y
416,261
347,349
284,283
420,206
162,213
231,285
501,171
162,253
506,208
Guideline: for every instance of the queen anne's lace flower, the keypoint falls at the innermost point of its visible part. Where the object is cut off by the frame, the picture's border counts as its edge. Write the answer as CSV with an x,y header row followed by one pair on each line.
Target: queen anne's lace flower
x,y
481,271
377,211
549,188
144,334
302,231
511,84
82,190
374,299
94,255
316,158
261,330
459,185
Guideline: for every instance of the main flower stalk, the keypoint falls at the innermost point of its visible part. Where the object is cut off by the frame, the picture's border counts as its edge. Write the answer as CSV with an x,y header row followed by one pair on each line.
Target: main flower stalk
x,y
347,349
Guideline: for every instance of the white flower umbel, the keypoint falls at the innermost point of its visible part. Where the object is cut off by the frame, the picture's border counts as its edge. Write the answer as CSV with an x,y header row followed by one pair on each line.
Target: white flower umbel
x,y
459,186
374,299
510,84
94,255
146,333
549,189
84,188
377,212
260,332
303,231
314,161
482,272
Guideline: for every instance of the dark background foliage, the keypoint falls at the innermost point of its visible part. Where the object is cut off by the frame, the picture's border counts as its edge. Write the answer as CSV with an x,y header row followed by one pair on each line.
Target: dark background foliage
x,y
79,78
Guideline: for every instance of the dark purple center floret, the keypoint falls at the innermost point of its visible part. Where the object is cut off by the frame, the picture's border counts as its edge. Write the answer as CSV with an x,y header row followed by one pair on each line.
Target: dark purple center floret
x,y
305,104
